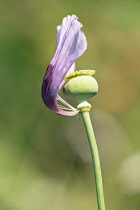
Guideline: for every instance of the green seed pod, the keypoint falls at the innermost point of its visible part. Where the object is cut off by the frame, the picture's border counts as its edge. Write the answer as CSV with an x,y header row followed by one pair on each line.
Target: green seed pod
x,y
80,86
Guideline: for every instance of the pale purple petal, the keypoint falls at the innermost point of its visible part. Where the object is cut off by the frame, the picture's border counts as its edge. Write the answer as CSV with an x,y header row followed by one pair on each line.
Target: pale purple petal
x,y
70,44
72,69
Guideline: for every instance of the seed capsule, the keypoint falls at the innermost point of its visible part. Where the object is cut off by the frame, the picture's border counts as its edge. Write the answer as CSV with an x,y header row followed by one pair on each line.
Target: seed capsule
x,y
80,87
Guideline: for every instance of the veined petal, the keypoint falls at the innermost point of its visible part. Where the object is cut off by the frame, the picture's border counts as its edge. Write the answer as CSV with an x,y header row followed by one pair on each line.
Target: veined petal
x,y
72,69
70,44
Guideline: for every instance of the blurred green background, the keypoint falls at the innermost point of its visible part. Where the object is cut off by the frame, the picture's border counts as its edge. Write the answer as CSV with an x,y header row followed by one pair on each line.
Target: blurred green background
x,y
45,162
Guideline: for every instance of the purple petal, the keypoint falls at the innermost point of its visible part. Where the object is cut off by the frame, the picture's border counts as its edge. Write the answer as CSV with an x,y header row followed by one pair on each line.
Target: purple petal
x,y
72,69
70,44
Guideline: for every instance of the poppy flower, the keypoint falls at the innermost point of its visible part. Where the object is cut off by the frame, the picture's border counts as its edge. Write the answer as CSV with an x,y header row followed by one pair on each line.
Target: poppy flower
x,y
70,44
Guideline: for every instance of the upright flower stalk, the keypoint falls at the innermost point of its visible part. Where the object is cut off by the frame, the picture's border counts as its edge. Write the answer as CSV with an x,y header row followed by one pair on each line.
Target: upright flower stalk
x,y
75,85
95,155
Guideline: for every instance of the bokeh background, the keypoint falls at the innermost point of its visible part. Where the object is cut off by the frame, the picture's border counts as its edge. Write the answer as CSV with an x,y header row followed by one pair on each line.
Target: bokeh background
x,y
45,162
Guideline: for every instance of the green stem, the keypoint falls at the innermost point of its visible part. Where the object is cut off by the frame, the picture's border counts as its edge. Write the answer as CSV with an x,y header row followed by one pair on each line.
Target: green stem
x,y
95,159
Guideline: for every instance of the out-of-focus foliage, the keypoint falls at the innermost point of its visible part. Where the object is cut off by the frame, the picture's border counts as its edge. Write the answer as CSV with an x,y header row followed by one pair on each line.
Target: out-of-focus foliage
x,y
45,161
